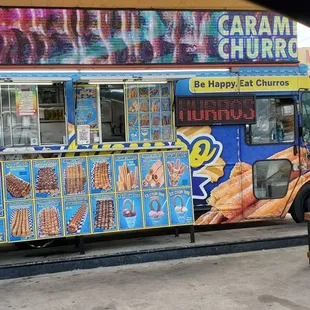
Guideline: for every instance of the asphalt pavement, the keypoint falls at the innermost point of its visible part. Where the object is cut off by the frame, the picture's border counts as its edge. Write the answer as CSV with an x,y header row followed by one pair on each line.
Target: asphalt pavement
x,y
271,279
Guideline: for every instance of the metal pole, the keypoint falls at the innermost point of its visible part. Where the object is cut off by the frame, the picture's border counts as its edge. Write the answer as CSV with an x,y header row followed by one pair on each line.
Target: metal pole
x,y
81,245
192,233
309,241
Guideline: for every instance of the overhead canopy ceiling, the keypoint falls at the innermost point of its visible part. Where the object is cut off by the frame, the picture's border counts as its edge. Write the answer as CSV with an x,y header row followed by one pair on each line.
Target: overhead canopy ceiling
x,y
139,4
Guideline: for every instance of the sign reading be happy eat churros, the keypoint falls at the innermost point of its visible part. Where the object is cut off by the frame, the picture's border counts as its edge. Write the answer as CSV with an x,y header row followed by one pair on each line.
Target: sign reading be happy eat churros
x,y
59,197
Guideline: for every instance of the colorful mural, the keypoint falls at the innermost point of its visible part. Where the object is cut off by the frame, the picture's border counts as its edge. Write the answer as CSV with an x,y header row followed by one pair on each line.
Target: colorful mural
x,y
111,37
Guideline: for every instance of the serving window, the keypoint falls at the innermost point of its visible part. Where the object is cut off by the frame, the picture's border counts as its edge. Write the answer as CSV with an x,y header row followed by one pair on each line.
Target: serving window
x,y
29,114
123,112
274,122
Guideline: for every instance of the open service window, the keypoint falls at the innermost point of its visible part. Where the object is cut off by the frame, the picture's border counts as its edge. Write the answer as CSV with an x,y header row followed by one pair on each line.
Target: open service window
x,y
32,115
274,122
123,112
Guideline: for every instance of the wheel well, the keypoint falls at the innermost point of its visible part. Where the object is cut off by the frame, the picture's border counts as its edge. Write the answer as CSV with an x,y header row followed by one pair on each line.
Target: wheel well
x,y
301,195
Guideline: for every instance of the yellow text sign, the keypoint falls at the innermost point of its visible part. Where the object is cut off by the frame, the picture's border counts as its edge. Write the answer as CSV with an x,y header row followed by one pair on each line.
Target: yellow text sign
x,y
248,84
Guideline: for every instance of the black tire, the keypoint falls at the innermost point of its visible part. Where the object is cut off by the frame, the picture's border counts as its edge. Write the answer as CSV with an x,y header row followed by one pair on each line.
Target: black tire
x,y
301,204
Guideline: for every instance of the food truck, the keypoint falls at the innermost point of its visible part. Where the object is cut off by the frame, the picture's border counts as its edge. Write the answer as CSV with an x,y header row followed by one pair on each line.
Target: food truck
x,y
116,120
247,131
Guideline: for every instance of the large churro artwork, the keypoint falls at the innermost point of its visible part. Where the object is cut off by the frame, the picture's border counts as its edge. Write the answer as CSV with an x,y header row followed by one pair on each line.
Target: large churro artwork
x,y
222,175
232,203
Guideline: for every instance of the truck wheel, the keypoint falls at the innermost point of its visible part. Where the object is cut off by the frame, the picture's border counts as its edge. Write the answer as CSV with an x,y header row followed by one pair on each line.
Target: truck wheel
x,y
301,204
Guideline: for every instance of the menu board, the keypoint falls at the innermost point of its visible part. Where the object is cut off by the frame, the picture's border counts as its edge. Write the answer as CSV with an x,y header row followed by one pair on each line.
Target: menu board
x,y
152,170
104,217
26,100
180,206
101,179
17,180
86,114
74,176
49,218
20,220
177,167
46,178
155,208
130,210
149,112
57,197
77,215
127,172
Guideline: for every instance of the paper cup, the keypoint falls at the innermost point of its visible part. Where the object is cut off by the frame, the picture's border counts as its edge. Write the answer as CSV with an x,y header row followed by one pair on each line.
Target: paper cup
x,y
131,221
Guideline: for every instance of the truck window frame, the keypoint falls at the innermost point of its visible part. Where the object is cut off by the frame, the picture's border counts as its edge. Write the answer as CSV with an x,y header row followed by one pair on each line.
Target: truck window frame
x,y
248,127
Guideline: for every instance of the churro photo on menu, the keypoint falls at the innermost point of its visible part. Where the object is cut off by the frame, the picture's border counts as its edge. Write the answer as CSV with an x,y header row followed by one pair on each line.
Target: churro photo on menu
x,y
127,172
178,169
18,180
74,176
100,171
152,166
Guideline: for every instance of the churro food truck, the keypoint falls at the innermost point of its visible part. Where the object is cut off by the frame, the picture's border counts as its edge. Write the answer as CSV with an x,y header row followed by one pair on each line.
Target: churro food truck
x,y
117,120
95,152
247,132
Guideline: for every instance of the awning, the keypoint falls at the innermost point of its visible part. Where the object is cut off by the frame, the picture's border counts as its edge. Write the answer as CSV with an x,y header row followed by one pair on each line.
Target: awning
x,y
136,78
6,80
